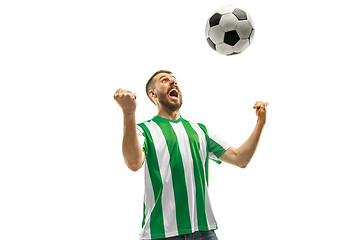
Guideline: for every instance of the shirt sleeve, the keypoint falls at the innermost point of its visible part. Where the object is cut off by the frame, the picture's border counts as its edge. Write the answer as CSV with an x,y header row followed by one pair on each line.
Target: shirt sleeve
x,y
216,146
141,137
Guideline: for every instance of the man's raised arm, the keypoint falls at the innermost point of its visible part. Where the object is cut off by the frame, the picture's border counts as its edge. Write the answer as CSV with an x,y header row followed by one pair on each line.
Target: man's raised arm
x,y
241,156
131,149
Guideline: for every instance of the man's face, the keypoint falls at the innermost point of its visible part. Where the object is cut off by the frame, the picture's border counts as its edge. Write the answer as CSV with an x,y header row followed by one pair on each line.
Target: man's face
x,y
168,92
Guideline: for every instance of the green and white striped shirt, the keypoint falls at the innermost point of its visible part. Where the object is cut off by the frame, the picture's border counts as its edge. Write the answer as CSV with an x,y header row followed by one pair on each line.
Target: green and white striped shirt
x,y
177,154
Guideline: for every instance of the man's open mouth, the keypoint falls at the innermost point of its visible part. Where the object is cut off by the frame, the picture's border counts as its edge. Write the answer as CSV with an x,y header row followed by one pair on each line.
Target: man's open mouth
x,y
174,93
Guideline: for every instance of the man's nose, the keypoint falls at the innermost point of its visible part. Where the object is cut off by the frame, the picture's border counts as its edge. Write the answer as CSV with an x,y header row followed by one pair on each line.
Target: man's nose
x,y
173,81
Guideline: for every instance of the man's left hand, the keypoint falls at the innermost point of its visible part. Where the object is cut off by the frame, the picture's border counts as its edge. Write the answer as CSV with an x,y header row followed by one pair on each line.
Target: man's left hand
x,y
260,110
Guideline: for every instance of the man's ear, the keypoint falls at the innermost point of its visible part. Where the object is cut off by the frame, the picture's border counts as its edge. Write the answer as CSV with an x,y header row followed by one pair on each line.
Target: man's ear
x,y
152,93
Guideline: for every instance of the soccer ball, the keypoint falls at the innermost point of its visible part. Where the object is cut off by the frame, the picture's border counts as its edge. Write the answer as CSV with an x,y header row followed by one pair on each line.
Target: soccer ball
x,y
229,30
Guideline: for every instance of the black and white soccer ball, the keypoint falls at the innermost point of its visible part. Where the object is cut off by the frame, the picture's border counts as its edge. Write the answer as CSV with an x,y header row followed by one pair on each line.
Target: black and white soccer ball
x,y
229,30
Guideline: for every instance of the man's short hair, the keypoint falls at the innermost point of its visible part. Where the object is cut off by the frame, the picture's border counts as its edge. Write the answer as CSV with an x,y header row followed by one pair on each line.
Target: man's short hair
x,y
151,84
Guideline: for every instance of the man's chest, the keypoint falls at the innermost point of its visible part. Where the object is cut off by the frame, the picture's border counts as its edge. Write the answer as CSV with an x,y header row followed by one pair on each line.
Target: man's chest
x,y
179,144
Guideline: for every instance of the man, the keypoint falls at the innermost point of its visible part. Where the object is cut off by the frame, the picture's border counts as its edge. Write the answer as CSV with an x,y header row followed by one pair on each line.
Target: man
x,y
175,153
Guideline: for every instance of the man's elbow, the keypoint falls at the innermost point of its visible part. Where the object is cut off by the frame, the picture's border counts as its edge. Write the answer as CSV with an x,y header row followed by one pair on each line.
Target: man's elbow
x,y
244,160
134,161
242,165
133,165
134,168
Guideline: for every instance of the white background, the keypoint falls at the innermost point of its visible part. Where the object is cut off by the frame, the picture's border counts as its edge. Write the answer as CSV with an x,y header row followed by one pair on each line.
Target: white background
x,y
62,174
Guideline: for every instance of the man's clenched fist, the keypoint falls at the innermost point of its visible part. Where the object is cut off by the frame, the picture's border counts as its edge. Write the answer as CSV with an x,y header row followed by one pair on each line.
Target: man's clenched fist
x,y
126,99
260,110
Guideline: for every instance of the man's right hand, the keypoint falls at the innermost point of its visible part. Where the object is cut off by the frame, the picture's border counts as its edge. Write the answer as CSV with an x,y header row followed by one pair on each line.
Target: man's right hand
x,y
131,148
126,99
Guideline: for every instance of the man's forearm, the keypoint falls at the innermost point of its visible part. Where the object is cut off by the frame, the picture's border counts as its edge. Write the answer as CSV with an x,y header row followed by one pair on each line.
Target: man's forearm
x,y
247,149
131,148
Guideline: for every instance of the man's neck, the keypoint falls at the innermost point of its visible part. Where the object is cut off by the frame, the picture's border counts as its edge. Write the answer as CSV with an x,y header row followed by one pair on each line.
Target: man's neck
x,y
169,115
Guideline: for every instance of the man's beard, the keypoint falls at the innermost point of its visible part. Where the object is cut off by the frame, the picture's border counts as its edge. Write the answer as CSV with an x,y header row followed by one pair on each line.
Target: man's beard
x,y
171,106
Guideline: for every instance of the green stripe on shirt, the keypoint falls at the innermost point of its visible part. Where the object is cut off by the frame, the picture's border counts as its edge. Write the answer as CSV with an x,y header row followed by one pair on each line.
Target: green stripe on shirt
x,y
198,175
156,217
178,178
